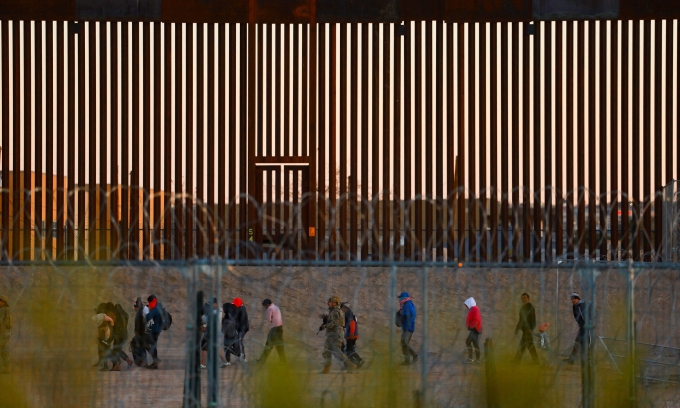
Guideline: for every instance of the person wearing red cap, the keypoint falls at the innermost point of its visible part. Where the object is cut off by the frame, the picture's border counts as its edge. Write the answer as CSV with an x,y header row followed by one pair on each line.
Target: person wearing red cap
x,y
242,326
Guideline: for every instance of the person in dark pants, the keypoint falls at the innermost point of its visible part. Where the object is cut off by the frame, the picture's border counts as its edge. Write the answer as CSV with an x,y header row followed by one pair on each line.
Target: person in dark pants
x,y
141,340
155,315
119,337
527,324
242,326
275,335
351,336
583,339
473,322
407,314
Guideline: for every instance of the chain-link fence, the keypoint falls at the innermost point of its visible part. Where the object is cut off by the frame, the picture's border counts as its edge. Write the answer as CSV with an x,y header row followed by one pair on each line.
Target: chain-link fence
x,y
54,340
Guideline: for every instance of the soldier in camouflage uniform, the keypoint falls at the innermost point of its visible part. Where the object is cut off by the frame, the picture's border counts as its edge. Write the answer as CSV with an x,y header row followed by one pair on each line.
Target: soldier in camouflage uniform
x,y
5,334
334,324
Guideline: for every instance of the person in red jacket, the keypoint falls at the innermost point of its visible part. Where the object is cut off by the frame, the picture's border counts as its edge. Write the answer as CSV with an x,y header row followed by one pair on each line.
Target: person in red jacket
x,y
473,322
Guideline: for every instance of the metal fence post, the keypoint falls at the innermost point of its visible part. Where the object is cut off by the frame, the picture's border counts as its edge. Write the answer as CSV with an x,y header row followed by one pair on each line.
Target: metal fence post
x,y
192,381
630,337
587,369
213,341
490,371
423,343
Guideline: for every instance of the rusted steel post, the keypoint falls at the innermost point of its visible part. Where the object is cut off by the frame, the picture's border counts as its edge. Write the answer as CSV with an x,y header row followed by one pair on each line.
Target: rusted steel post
x,y
4,121
559,192
113,141
190,201
103,137
635,163
614,96
60,114
167,141
494,160
439,140
157,141
103,250
462,101
591,191
353,192
29,90
570,193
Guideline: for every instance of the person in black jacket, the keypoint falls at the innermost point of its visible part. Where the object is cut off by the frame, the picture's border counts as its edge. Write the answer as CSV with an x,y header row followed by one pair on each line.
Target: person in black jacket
x,y
527,324
140,341
242,326
231,337
583,339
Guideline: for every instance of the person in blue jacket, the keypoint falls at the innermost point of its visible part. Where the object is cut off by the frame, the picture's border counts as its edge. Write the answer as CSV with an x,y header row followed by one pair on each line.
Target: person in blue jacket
x,y
155,315
407,312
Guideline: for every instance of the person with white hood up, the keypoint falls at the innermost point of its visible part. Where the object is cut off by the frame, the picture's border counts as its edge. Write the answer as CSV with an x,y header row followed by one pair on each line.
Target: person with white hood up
x,y
473,322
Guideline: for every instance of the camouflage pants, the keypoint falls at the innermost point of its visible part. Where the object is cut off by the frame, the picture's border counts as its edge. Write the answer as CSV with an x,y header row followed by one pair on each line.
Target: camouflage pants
x,y
4,353
333,347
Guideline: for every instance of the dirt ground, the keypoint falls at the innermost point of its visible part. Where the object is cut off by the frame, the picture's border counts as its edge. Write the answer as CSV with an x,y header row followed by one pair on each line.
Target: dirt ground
x,y
53,344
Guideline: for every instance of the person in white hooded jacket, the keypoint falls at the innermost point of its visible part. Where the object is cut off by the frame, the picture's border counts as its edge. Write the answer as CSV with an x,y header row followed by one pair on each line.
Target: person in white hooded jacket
x,y
473,322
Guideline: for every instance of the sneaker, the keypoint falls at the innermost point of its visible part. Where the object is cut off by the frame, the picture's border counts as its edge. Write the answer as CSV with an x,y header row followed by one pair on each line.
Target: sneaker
x,y
405,363
225,364
470,361
415,358
361,363
153,366
204,366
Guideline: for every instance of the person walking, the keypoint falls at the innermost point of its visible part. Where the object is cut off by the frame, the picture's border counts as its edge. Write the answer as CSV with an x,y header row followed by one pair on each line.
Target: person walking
x,y
242,326
119,337
141,340
473,322
275,335
230,333
334,324
527,324
582,316
5,333
103,322
155,315
406,319
351,335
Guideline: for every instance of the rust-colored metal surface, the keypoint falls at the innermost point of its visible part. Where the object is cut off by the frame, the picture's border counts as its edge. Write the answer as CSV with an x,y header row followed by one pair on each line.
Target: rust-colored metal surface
x,y
443,167
4,196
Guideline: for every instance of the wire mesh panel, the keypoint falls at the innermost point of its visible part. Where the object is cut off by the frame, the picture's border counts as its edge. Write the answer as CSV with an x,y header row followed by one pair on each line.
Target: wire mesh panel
x,y
55,341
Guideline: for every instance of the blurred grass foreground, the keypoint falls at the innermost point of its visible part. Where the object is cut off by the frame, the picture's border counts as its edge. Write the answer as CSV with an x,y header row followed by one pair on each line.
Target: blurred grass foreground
x,y
54,340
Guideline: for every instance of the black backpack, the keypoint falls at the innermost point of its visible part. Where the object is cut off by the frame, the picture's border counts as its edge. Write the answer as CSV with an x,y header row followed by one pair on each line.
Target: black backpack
x,y
167,319
398,318
229,326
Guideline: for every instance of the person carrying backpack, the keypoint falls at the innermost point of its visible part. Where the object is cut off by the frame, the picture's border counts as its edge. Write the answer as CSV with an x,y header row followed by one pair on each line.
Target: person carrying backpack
x,y
242,326
351,335
230,332
156,316
406,319
5,333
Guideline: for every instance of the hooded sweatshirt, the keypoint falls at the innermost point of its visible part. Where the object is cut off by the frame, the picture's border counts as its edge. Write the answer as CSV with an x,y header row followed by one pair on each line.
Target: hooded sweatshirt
x,y
155,315
474,317
408,316
241,316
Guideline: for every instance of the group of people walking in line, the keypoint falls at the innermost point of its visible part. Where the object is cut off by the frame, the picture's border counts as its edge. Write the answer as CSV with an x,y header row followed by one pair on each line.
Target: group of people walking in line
x,y
340,324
